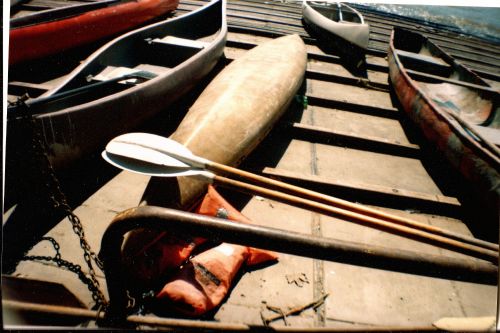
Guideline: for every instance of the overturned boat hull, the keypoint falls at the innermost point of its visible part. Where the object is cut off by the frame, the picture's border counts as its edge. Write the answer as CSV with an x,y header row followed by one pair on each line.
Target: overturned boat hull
x,y
235,112
230,118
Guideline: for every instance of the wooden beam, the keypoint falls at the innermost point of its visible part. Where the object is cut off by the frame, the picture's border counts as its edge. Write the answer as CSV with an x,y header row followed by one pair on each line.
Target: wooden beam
x,y
355,140
350,80
370,193
391,113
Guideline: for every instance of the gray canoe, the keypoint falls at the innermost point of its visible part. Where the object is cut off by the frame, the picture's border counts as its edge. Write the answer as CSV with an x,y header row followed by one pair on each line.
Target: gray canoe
x,y
127,81
338,20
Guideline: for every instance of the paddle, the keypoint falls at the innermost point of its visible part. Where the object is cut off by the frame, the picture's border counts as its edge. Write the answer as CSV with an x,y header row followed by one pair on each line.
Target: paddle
x,y
162,157
78,94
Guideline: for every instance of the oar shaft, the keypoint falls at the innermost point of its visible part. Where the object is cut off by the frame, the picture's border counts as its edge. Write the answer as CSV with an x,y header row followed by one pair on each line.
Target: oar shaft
x,y
360,218
312,195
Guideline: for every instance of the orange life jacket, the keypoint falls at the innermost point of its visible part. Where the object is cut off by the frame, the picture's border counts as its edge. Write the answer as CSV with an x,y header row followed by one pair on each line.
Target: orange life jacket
x,y
203,283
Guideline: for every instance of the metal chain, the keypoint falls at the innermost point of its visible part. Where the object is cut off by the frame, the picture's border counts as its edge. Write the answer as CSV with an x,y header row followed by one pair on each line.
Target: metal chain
x,y
58,200
97,295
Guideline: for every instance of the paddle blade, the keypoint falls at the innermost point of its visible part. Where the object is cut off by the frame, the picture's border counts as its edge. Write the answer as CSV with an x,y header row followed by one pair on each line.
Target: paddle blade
x,y
142,153
146,168
154,149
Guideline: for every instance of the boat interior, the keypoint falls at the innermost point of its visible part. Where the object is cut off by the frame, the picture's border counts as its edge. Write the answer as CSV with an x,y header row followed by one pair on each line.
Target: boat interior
x,y
337,12
453,87
136,59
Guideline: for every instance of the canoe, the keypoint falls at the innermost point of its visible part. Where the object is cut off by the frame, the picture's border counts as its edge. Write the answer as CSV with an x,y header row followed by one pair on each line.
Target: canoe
x,y
337,21
126,82
229,119
235,112
455,109
41,28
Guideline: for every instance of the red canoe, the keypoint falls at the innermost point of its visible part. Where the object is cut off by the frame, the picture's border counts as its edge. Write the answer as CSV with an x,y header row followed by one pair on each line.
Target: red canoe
x,y
32,38
456,110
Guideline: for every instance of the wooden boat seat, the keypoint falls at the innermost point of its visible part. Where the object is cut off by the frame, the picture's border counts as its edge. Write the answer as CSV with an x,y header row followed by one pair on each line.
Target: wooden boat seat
x,y
434,78
177,41
170,51
424,63
111,72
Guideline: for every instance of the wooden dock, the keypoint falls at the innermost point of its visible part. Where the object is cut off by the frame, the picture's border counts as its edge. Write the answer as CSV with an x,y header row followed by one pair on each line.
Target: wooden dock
x,y
345,136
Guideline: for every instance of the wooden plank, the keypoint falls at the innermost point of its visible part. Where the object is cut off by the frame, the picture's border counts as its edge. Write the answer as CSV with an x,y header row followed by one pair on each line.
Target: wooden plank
x,y
172,40
287,16
275,7
264,25
352,80
356,123
313,52
381,193
424,63
423,58
38,291
314,99
321,56
349,94
355,140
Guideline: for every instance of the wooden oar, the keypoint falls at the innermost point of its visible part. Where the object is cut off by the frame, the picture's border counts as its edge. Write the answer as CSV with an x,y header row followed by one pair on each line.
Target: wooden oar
x,y
140,153
160,150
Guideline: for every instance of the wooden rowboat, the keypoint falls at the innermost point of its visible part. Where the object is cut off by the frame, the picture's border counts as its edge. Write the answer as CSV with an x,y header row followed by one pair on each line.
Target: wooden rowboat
x,y
337,22
41,28
236,111
125,82
456,110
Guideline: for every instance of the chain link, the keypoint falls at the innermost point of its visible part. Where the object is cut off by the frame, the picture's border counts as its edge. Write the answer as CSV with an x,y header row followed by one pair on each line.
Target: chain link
x,y
59,202
97,295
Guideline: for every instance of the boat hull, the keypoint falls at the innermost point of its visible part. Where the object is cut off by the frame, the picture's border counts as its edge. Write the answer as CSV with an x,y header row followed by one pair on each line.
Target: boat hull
x,y
480,168
355,34
234,113
72,132
48,38
228,120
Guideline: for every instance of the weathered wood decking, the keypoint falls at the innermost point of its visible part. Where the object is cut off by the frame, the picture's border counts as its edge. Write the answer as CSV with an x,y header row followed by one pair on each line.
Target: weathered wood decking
x,y
351,141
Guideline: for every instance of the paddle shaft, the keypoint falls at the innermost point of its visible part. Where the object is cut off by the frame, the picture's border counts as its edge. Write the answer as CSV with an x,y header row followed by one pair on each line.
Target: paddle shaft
x,y
312,195
359,218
